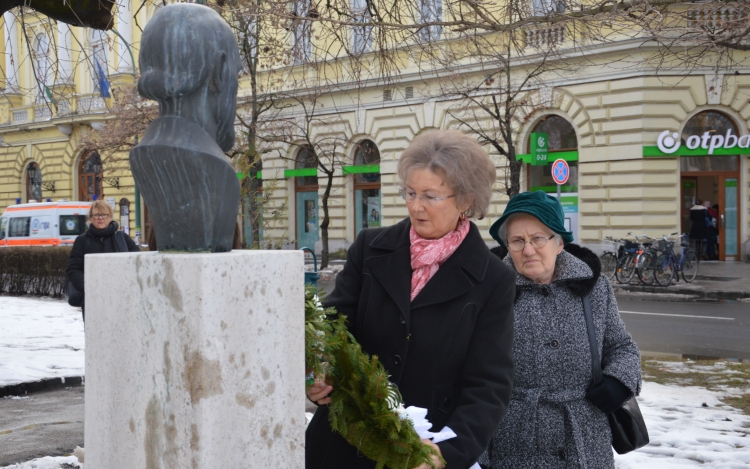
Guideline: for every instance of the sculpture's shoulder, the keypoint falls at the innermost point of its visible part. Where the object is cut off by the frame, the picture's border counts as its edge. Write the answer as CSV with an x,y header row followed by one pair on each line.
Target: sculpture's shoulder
x,y
179,133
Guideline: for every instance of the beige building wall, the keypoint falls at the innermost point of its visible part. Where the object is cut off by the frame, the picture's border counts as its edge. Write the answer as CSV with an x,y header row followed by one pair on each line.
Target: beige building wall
x,y
619,190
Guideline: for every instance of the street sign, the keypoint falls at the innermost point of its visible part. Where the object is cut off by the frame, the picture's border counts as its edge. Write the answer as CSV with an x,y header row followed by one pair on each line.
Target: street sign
x,y
560,171
539,146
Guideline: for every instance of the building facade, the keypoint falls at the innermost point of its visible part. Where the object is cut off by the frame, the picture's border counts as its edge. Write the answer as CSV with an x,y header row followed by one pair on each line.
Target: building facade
x,y
628,134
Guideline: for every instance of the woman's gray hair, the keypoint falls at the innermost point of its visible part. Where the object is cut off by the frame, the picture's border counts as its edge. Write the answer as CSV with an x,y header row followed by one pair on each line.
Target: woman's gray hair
x,y
502,232
462,163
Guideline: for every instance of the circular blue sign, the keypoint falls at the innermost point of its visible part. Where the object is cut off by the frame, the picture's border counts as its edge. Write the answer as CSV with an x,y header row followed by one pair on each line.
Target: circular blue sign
x,y
560,171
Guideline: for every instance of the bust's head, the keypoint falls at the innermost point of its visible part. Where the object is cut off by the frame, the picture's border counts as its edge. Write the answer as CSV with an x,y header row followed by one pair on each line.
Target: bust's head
x,y
189,63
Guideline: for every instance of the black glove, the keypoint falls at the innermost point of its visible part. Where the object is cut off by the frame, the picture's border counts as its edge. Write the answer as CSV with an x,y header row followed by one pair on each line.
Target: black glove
x,y
610,395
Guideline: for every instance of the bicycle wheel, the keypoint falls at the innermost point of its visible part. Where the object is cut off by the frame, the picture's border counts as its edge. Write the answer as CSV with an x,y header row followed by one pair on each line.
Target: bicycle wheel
x,y
609,264
689,266
664,270
626,269
645,268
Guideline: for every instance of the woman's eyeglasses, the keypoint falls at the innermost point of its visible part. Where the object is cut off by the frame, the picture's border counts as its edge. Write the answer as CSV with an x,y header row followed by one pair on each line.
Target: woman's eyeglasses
x,y
100,215
537,242
410,196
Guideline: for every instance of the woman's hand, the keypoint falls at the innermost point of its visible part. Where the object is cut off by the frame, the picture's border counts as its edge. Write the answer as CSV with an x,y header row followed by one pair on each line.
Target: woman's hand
x,y
435,460
318,393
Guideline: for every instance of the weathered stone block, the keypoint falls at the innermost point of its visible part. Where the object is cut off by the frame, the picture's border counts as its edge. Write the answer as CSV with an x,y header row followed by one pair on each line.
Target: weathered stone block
x,y
195,360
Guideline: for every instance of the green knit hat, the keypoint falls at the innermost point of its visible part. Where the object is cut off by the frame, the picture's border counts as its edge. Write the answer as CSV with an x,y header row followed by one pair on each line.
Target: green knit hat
x,y
545,207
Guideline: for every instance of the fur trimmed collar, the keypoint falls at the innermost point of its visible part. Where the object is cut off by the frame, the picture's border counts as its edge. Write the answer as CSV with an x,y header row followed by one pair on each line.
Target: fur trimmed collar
x,y
578,268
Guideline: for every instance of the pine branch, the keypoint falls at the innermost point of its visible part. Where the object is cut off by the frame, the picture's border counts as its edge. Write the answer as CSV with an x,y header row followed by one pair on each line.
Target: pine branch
x,y
364,402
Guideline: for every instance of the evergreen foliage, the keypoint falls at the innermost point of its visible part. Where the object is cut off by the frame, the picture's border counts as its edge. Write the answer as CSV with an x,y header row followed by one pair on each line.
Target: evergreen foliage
x,y
364,402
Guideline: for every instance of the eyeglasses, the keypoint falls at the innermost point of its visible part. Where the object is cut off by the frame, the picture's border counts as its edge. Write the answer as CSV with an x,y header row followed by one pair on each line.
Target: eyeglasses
x,y
537,242
409,196
100,215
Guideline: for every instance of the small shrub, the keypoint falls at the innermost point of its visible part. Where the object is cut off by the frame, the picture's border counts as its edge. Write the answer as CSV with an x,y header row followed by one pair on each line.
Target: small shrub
x,y
33,270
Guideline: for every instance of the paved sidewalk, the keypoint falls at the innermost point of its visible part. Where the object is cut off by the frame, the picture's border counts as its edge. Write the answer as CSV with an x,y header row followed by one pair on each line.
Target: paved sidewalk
x,y
719,280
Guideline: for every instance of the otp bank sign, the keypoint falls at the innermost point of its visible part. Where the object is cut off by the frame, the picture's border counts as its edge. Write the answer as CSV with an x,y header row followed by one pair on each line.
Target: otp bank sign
x,y
669,142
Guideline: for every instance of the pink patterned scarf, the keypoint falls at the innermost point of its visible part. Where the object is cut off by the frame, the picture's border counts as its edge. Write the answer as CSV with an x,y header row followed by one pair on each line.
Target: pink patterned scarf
x,y
428,254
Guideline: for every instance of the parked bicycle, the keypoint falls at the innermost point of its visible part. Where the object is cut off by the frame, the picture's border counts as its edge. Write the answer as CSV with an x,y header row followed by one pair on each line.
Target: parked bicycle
x,y
609,259
627,259
646,261
667,267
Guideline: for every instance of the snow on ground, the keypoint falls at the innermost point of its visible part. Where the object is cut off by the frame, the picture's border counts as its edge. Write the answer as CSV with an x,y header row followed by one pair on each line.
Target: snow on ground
x,y
684,433
39,338
47,462
43,338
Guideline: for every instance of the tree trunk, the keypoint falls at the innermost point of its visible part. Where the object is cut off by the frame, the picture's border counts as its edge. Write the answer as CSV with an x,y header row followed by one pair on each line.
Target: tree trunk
x,y
514,166
326,219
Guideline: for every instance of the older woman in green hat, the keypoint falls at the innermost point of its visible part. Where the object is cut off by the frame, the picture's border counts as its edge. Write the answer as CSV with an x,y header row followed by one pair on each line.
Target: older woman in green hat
x,y
556,418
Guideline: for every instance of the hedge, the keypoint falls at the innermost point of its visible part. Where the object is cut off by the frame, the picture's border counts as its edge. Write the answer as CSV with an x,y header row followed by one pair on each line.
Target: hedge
x,y
33,270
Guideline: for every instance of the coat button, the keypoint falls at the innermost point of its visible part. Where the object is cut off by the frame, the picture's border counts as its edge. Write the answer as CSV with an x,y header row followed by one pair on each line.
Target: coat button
x,y
562,454
403,319
447,402
554,343
396,359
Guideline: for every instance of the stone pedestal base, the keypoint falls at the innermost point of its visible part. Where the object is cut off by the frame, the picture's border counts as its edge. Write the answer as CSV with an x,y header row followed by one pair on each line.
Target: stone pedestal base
x,y
195,360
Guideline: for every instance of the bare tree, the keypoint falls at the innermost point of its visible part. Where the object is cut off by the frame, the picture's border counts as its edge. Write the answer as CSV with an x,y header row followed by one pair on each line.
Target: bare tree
x,y
310,125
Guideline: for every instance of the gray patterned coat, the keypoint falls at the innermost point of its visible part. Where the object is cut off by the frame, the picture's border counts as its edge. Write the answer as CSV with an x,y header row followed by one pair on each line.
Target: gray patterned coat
x,y
549,424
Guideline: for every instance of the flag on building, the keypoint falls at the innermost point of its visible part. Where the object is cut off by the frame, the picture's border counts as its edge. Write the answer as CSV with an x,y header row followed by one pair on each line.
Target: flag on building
x,y
103,82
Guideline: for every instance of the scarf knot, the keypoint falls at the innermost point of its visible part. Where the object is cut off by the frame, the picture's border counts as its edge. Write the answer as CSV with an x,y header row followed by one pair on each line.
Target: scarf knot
x,y
428,254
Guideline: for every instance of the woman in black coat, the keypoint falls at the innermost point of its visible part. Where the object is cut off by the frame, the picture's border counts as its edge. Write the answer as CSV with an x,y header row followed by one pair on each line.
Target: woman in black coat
x,y
102,236
699,228
430,300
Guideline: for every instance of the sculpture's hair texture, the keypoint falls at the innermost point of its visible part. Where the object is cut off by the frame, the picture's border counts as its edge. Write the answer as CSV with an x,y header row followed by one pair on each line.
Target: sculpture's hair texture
x,y
462,163
102,206
178,50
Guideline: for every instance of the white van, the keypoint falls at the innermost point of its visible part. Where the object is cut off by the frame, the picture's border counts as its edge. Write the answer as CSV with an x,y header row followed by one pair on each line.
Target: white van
x,y
43,223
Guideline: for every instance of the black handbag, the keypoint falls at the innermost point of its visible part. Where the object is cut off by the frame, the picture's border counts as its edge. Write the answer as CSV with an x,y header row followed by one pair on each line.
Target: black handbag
x,y
628,427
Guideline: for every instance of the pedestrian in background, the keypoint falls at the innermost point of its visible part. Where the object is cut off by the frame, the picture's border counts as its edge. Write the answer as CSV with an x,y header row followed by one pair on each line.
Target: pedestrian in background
x,y
713,231
431,301
103,235
699,228
556,417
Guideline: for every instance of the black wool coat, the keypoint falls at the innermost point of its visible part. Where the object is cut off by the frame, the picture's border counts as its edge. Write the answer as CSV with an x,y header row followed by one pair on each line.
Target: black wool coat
x,y
449,351
100,241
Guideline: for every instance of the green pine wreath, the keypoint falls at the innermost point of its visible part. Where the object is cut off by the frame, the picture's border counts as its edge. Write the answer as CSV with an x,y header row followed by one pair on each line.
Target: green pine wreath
x,y
364,402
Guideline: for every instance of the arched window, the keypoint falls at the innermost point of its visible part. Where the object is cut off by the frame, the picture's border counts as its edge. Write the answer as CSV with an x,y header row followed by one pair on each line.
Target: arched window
x,y
306,198
715,123
42,67
33,182
561,137
90,177
367,195
98,57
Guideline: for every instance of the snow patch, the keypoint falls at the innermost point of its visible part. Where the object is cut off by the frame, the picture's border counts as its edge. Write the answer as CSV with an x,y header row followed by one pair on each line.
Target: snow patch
x,y
41,338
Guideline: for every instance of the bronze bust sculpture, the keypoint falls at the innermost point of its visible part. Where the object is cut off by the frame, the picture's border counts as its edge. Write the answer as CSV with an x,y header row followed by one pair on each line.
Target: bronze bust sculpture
x,y
189,63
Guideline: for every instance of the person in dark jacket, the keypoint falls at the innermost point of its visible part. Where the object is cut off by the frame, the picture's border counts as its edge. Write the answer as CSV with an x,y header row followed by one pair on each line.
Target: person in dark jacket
x,y
430,300
699,228
556,418
100,237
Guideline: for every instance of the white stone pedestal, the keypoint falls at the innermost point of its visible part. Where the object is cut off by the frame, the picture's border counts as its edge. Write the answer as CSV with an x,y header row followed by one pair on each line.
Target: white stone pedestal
x,y
195,361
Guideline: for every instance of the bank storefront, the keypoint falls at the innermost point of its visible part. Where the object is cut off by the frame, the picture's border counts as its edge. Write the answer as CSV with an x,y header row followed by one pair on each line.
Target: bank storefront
x,y
710,148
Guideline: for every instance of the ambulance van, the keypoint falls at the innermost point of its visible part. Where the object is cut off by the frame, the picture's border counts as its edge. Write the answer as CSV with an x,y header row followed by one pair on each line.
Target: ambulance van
x,y
43,223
